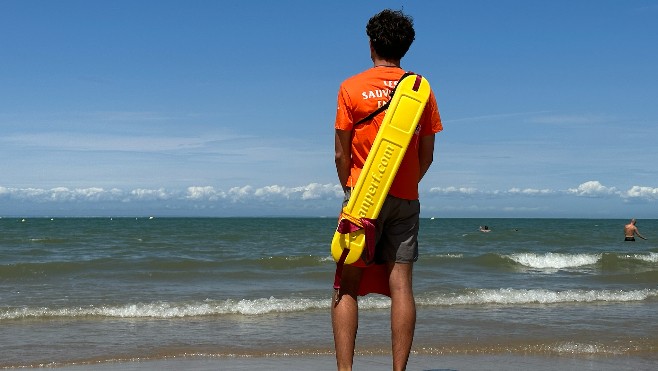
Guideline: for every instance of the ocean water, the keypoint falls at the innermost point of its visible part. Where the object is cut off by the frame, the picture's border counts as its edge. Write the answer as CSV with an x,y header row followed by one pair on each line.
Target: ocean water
x,y
90,290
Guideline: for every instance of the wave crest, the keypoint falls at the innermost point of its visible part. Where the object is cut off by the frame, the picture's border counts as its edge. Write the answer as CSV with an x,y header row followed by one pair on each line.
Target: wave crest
x,y
264,306
537,296
554,260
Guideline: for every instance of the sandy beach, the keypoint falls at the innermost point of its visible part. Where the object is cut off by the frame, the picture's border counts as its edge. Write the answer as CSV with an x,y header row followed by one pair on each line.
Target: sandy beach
x,y
509,362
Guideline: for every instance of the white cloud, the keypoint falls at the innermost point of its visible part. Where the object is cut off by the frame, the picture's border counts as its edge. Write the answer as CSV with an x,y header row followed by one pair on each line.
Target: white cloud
x,y
530,191
274,190
151,194
641,192
316,191
312,191
237,193
206,193
62,194
471,191
455,190
593,188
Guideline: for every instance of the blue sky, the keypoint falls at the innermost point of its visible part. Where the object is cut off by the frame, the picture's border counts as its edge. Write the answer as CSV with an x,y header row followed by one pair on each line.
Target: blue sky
x,y
226,108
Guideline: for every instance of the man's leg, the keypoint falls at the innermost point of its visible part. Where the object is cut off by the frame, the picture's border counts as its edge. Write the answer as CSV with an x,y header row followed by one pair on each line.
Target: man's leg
x,y
345,316
403,313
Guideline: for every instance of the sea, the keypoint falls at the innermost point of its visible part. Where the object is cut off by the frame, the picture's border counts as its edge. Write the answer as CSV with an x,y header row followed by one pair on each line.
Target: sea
x,y
76,291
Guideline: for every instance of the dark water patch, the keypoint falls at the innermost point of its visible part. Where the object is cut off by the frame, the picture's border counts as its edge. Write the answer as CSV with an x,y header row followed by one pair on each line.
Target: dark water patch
x,y
648,277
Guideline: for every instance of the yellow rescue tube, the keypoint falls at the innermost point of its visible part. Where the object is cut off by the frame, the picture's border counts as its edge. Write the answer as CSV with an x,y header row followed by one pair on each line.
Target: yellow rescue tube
x,y
383,161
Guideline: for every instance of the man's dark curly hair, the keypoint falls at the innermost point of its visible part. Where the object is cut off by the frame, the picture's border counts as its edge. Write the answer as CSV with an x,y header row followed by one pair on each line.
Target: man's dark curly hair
x,y
391,33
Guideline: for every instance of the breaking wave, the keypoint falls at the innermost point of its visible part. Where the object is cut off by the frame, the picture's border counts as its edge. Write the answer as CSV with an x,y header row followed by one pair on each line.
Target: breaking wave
x,y
264,306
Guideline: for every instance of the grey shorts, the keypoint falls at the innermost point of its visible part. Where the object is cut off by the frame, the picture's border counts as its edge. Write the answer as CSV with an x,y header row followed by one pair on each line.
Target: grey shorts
x,y
397,230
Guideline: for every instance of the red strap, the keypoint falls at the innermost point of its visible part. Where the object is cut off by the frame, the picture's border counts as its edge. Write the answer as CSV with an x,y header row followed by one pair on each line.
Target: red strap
x,y
419,78
339,268
346,226
369,229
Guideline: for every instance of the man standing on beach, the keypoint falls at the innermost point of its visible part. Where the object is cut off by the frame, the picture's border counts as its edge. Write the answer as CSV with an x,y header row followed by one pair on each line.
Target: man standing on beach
x,y
630,231
391,34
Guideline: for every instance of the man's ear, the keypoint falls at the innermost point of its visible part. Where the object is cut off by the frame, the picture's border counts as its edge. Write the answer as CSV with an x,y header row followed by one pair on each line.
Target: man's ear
x,y
372,51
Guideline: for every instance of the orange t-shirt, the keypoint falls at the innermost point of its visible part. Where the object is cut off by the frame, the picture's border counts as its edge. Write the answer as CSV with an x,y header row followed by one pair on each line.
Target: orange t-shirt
x,y
362,94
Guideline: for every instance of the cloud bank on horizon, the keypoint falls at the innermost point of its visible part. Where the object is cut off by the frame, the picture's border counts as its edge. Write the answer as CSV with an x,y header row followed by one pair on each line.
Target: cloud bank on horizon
x,y
310,200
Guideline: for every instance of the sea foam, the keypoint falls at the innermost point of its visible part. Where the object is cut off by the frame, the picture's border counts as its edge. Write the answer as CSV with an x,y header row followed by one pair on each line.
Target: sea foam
x,y
264,306
554,260
649,258
174,310
536,296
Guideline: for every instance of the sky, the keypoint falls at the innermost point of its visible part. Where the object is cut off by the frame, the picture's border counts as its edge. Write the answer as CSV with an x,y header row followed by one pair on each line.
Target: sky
x,y
226,108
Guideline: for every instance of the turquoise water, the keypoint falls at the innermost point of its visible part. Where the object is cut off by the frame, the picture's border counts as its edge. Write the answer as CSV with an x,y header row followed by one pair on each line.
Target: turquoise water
x,y
99,289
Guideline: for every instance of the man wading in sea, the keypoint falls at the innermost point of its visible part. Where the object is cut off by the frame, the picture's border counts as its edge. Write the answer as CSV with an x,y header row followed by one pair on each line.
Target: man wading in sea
x,y
391,34
630,231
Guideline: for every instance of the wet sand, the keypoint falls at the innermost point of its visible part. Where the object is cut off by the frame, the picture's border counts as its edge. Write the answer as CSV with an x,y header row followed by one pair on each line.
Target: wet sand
x,y
509,362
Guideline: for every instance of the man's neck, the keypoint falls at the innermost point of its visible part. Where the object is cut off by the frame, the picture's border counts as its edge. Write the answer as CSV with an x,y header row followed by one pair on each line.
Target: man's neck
x,y
378,62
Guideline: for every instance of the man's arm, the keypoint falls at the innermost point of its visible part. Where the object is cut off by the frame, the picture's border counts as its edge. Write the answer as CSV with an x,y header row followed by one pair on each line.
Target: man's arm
x,y
343,155
425,153
637,232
